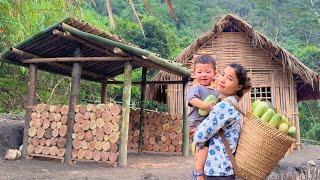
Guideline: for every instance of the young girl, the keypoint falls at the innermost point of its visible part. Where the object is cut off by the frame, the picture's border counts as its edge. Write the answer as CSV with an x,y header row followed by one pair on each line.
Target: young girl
x,y
232,82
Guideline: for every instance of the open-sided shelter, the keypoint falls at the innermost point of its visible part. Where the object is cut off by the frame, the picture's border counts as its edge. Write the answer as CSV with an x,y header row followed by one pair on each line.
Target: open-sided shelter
x,y
74,48
276,74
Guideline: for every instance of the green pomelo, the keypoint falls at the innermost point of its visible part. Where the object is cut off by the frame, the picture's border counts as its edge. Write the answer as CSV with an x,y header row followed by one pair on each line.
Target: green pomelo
x,y
260,109
209,99
268,115
284,128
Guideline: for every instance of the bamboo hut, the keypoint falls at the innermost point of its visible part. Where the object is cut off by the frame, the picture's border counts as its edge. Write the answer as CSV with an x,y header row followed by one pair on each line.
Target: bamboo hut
x,y
76,49
276,74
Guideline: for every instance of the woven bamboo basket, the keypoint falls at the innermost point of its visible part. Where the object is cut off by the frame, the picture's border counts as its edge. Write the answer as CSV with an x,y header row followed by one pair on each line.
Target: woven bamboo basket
x,y
260,148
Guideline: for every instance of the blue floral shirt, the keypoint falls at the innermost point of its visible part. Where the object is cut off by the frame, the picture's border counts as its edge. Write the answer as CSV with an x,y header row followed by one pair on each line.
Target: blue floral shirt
x,y
222,115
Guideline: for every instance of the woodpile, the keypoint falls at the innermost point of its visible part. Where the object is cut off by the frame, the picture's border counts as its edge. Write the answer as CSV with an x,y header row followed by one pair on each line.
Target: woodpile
x,y
96,132
48,130
162,132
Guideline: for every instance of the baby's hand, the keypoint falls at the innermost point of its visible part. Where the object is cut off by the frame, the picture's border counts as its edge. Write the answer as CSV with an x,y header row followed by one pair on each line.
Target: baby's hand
x,y
191,133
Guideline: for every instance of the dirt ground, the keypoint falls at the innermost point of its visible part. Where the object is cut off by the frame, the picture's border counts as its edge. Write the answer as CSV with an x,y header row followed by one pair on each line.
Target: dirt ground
x,y
140,167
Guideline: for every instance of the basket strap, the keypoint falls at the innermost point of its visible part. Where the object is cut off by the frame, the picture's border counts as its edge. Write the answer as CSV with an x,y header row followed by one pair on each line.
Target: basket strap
x,y
231,156
235,106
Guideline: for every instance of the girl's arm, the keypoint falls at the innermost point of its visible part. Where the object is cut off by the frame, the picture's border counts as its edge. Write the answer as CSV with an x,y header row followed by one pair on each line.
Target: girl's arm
x,y
216,120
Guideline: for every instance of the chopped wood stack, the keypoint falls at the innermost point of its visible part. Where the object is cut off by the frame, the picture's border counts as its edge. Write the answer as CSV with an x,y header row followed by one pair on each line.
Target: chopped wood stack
x,y
96,132
48,130
162,132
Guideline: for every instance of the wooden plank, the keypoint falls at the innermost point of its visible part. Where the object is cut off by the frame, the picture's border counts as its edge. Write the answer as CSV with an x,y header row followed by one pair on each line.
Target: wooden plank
x,y
104,163
30,156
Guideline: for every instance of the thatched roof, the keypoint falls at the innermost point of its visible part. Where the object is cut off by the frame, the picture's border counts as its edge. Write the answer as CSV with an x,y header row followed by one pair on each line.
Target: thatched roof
x,y
53,50
307,80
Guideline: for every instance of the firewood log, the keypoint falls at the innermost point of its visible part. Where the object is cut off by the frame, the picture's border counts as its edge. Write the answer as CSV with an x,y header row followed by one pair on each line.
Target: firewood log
x,y
80,134
57,117
88,136
91,145
74,153
114,137
77,108
83,109
61,142
93,124
76,127
115,110
89,107
104,156
53,141
106,146
96,155
32,131
107,127
85,125
46,123
63,130
30,149
40,108
86,115
98,145
84,145
38,149
45,150
100,123
42,141
44,115
35,141
64,120
81,153
40,132
100,134
55,132
76,143
106,116
79,118
113,157
64,110
61,152
59,124
37,123
58,109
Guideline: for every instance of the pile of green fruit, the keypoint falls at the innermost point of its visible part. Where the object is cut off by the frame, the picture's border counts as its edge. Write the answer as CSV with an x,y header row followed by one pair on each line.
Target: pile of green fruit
x,y
265,111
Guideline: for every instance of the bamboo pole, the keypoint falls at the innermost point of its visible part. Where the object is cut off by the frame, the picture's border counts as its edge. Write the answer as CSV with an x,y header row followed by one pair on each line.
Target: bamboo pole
x,y
75,89
120,52
139,52
185,151
122,162
142,106
103,91
147,82
32,81
75,59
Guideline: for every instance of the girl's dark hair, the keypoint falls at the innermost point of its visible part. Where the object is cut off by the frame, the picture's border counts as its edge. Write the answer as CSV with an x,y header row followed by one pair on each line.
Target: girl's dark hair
x,y
243,78
205,59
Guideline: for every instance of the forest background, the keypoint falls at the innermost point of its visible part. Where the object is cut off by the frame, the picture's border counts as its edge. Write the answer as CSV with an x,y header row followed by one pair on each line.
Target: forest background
x,y
294,24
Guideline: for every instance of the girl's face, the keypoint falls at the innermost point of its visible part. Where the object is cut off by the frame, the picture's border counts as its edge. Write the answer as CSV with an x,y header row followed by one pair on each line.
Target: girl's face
x,y
228,83
204,74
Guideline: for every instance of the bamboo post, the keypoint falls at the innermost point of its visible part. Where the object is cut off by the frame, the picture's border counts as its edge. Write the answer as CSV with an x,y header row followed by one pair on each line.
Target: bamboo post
x,y
75,89
125,115
142,106
103,91
30,102
185,151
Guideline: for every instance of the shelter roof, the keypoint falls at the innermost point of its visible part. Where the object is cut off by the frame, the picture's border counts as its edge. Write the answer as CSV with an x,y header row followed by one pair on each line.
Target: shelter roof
x,y
103,54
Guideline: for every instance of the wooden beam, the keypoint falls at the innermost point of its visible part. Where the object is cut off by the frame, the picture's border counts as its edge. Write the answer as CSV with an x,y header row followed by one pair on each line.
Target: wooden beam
x,y
123,150
142,106
120,52
62,66
147,82
69,36
32,81
75,91
151,57
75,59
103,91
185,127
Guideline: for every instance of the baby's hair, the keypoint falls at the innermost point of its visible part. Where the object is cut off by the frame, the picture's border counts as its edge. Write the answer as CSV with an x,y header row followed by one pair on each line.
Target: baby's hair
x,y
205,59
243,78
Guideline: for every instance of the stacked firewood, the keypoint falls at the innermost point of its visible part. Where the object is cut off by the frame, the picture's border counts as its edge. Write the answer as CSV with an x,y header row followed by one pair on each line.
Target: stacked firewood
x,y
96,132
48,130
162,132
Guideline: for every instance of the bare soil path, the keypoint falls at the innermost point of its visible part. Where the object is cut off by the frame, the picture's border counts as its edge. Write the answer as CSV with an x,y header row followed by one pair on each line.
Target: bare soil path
x,y
140,167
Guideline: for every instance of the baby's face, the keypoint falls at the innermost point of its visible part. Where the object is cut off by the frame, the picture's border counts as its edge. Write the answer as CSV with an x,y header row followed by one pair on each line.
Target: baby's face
x,y
204,74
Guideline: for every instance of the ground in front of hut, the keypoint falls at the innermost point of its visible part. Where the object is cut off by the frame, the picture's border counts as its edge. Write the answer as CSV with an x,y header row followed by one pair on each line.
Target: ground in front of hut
x,y
145,166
